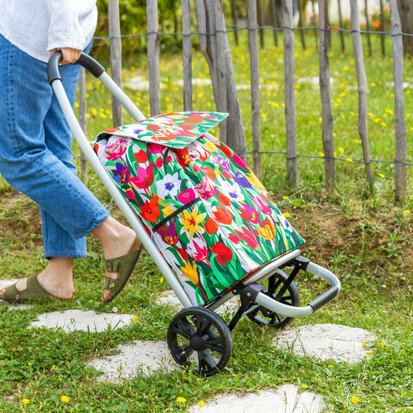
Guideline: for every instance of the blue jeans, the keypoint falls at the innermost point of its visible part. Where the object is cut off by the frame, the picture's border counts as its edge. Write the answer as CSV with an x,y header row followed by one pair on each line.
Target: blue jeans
x,y
35,152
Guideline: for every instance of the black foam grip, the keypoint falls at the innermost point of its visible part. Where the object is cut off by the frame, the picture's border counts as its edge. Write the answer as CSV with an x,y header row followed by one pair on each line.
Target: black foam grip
x,y
90,64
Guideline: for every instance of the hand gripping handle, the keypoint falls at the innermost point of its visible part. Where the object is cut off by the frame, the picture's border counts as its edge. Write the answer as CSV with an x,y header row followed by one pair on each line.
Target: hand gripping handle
x,y
90,64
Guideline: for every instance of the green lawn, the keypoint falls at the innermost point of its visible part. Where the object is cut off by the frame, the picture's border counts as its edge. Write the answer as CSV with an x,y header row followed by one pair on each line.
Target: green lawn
x,y
363,238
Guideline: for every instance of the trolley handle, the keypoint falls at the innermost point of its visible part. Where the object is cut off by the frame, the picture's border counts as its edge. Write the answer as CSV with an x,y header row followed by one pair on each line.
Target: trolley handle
x,y
90,64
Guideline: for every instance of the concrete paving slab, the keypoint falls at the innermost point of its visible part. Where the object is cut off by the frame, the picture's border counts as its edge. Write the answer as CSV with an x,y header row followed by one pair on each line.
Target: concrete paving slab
x,y
169,298
6,283
141,356
326,341
286,399
77,320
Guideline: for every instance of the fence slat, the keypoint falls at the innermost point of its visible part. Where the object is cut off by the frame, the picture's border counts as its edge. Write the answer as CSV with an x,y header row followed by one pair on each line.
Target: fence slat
x,y
221,67
382,35
362,89
83,122
115,57
153,56
400,155
290,124
274,21
340,20
300,23
367,26
326,109
255,86
187,53
234,15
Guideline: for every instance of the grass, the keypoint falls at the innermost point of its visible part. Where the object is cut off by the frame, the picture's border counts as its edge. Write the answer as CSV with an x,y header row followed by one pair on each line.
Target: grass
x,y
363,238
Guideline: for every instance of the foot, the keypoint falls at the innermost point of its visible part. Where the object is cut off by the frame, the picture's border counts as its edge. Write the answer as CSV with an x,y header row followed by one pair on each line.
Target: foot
x,y
56,279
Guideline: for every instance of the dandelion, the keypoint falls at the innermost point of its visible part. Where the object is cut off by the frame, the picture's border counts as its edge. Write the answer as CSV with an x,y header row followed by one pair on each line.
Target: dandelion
x,y
29,364
370,114
321,153
406,212
340,149
26,401
94,111
352,114
181,400
52,368
64,399
285,197
382,344
383,124
304,386
330,366
364,345
369,354
135,319
355,399
381,175
320,119
286,214
349,160
389,111
161,280
201,403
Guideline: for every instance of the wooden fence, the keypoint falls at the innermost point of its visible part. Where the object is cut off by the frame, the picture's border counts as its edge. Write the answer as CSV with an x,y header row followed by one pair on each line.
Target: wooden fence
x,y
255,28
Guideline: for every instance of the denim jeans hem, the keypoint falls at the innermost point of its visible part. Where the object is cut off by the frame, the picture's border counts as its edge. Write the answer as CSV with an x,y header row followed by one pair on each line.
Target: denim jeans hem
x,y
96,222
71,254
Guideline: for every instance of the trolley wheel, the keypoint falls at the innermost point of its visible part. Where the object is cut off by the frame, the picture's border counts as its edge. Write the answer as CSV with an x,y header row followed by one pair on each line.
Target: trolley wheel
x,y
262,315
198,336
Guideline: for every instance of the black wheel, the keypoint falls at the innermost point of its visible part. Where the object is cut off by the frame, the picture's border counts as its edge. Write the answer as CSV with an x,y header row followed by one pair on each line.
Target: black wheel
x,y
197,336
263,316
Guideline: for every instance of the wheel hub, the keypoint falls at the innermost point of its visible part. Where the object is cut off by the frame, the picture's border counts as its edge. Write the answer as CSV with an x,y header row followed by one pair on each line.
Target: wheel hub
x,y
197,343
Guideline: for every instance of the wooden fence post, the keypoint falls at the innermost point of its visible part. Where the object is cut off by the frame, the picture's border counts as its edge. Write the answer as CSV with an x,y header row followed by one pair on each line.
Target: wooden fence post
x,y
382,35
367,26
260,10
255,86
234,15
187,53
115,57
290,123
326,109
153,56
274,21
221,67
400,155
300,23
362,89
340,19
83,122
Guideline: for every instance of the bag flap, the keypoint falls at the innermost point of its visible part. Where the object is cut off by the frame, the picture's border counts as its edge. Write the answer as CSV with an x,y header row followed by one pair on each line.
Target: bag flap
x,y
175,130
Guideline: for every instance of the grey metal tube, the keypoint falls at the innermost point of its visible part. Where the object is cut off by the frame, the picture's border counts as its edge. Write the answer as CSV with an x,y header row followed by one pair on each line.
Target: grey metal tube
x,y
286,310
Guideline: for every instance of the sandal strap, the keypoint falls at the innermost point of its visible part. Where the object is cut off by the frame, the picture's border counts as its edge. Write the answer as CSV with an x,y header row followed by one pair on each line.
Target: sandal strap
x,y
109,283
112,265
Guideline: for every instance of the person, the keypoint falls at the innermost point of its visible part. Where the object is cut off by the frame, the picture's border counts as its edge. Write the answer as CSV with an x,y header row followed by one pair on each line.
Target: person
x,y
35,146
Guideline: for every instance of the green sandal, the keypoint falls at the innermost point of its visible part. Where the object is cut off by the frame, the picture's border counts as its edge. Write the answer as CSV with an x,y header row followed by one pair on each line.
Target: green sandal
x,y
33,292
123,266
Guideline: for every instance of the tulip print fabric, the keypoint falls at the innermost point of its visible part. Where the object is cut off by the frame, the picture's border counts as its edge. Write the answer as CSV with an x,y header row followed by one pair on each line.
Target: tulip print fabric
x,y
210,217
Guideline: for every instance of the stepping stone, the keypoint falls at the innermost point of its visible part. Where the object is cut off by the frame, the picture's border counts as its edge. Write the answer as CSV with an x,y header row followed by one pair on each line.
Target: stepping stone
x,y
146,357
6,283
169,298
77,320
326,342
286,399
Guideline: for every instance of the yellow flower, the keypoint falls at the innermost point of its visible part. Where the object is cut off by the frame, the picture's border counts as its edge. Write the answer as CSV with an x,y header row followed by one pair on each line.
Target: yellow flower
x,y
321,153
201,403
191,222
29,364
406,212
254,180
364,345
190,272
94,111
267,231
285,197
381,175
135,319
161,280
181,400
26,401
355,400
210,146
304,386
286,214
64,399
340,149
349,160
369,354
330,366
52,368
382,344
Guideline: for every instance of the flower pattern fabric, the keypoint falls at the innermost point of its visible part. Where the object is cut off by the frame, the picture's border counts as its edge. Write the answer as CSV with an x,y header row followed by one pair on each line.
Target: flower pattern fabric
x,y
210,217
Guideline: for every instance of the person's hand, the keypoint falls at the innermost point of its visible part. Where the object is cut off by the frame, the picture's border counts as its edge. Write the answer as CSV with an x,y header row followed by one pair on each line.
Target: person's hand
x,y
69,55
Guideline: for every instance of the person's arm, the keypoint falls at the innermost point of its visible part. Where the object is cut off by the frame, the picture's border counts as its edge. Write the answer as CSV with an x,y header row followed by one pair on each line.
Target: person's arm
x,y
65,32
